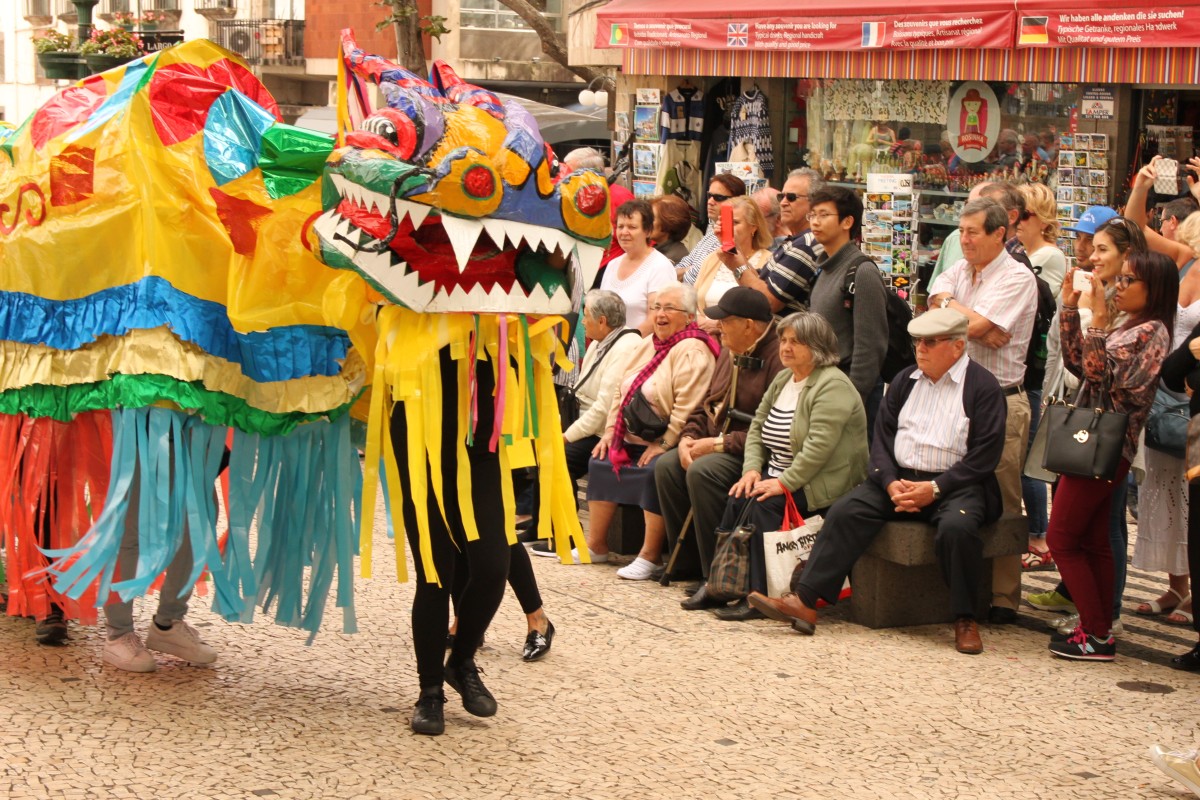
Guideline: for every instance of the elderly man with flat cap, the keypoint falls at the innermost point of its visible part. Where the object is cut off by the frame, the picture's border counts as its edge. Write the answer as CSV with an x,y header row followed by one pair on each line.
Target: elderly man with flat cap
x,y
938,439
699,473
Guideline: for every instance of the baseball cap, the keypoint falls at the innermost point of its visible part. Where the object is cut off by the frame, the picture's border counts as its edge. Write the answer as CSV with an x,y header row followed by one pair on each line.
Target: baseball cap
x,y
741,301
1092,220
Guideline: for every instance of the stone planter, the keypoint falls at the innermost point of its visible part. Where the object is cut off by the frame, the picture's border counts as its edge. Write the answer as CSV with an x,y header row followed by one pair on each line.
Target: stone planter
x,y
99,62
63,65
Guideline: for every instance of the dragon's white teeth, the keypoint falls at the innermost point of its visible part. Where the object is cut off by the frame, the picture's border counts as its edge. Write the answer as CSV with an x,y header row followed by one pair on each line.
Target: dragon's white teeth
x,y
343,228
463,234
589,256
339,182
496,230
415,212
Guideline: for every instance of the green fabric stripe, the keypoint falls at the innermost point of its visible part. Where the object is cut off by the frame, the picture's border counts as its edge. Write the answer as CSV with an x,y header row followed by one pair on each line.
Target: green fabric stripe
x,y
137,391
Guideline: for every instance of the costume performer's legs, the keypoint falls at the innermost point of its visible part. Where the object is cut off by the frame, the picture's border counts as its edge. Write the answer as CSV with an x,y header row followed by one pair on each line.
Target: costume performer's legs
x,y
486,559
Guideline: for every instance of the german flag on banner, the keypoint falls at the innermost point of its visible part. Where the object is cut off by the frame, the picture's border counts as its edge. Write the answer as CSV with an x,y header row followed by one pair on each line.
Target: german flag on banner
x,y
1034,30
619,34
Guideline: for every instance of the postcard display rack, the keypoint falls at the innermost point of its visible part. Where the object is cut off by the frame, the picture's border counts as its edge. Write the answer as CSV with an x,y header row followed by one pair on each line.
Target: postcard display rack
x,y
1083,181
888,236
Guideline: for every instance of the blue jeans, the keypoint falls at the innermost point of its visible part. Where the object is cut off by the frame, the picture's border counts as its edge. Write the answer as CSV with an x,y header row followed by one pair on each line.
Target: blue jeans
x,y
1032,490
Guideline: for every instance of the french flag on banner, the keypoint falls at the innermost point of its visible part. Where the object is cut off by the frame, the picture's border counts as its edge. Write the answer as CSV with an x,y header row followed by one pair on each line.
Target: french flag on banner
x,y
873,34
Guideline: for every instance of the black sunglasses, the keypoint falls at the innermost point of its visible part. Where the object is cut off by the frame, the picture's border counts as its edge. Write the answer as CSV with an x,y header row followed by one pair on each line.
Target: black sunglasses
x,y
720,198
791,197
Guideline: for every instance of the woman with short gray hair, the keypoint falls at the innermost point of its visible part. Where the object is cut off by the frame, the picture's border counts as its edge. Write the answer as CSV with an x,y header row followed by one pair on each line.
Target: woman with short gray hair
x,y
808,440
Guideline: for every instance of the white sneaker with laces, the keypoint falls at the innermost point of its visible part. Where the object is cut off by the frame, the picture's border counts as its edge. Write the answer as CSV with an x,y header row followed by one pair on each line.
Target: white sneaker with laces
x,y
181,641
1180,766
128,653
639,569
597,558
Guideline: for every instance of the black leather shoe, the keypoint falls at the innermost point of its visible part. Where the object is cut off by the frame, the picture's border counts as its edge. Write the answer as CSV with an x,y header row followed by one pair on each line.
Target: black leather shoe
x,y
428,717
464,679
739,613
1189,661
999,615
52,629
700,601
537,644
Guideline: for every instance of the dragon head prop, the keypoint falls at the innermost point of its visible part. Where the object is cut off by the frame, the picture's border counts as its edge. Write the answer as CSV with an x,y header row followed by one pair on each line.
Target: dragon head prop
x,y
448,200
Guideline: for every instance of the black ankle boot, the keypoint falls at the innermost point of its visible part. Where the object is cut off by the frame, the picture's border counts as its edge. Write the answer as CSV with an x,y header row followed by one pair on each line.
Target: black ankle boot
x,y
428,717
1189,661
464,679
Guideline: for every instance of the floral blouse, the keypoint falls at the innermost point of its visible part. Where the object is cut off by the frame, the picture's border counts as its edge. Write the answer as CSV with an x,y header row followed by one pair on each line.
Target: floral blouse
x,y
1131,356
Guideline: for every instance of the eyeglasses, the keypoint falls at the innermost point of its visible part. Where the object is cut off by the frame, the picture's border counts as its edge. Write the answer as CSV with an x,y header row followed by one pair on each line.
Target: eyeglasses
x,y
1123,281
657,307
791,197
813,216
930,341
720,198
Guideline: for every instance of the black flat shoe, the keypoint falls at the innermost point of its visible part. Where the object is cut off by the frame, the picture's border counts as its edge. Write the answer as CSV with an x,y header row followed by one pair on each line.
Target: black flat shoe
x,y
428,717
464,679
1188,662
701,601
741,612
52,629
537,644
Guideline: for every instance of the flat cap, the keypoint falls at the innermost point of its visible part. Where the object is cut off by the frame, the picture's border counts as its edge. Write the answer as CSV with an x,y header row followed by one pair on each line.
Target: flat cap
x,y
939,322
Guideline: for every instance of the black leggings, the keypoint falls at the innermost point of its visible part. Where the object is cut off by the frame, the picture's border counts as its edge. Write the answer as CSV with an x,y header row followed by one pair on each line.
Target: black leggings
x,y
485,561
520,578
1193,549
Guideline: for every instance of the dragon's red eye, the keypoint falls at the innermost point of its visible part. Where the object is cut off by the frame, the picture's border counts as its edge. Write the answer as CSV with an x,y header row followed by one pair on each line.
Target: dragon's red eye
x,y
591,199
479,182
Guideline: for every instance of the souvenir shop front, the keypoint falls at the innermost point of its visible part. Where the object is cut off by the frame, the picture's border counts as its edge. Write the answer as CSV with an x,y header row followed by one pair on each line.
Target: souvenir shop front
x,y
911,110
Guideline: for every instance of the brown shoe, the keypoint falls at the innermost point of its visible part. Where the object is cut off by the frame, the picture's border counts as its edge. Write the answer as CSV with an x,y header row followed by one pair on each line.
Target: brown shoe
x,y
966,636
788,608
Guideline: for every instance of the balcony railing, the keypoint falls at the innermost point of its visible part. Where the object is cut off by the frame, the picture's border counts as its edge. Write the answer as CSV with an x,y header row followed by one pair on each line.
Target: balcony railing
x,y
262,41
216,9
39,13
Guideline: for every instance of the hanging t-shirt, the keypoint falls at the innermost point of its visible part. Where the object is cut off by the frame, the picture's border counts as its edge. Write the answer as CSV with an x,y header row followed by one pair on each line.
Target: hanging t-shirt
x,y
682,115
750,131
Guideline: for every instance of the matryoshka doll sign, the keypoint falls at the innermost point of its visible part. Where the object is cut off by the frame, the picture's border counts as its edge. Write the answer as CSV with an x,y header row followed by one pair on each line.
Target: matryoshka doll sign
x,y
973,120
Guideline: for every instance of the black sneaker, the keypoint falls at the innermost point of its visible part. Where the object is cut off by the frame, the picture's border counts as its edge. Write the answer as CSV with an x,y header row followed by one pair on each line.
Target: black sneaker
x,y
544,548
429,717
464,679
1082,646
52,629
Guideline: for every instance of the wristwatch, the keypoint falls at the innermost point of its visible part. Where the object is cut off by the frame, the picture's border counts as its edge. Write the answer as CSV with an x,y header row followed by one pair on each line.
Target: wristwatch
x,y
737,273
936,491
945,302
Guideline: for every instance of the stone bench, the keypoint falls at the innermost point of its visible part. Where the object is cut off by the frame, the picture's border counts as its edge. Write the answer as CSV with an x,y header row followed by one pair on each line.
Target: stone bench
x,y
627,531
898,580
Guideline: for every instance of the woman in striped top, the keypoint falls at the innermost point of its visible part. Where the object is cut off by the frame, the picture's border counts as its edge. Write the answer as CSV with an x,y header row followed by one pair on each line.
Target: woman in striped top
x,y
808,438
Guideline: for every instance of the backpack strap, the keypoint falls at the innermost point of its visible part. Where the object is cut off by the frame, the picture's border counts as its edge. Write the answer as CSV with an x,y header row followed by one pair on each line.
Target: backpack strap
x,y
600,358
848,286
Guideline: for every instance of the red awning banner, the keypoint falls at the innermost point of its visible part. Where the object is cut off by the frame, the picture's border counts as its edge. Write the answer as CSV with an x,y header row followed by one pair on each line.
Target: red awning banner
x,y
1046,23
776,26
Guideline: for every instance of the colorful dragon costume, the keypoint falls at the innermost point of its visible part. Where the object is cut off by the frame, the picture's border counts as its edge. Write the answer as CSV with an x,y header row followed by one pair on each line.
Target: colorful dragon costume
x,y
176,260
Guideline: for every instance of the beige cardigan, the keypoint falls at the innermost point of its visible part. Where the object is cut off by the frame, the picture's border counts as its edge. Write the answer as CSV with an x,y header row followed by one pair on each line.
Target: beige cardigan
x,y
680,383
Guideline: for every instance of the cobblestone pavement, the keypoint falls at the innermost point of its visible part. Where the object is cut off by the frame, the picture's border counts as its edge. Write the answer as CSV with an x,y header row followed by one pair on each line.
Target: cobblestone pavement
x,y
637,699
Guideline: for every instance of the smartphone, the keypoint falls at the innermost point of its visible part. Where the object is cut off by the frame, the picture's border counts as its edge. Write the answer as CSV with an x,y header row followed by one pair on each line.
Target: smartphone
x,y
1082,281
1166,168
727,229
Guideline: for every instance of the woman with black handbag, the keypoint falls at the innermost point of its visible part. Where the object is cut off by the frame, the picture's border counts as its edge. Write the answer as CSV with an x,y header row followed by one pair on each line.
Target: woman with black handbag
x,y
1119,370
665,379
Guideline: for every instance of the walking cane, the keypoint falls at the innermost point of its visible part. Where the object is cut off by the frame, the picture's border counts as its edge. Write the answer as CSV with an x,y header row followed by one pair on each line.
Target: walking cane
x,y
687,524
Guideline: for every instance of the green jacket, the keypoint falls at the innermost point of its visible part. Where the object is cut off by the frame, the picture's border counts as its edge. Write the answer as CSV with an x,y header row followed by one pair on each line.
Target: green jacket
x,y
829,437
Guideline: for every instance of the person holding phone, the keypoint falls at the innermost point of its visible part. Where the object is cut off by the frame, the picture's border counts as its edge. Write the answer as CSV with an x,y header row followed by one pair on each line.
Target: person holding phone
x,y
743,230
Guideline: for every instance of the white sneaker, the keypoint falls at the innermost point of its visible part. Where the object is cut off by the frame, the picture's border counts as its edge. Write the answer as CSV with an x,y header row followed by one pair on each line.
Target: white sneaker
x,y
128,653
1180,766
1071,622
182,641
597,558
638,570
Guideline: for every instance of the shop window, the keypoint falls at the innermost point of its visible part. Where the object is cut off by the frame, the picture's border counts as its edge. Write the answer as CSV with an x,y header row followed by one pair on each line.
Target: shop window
x,y
494,15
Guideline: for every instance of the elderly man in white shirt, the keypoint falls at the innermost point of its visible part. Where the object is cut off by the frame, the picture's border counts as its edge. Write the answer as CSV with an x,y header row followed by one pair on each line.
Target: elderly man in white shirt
x,y
998,295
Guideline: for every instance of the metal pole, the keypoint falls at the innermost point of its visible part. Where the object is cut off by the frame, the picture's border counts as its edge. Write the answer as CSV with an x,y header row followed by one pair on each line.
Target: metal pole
x,y
84,9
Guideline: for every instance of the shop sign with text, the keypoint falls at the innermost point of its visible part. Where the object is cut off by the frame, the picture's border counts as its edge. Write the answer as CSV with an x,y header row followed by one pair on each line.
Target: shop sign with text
x,y
1162,26
985,29
973,121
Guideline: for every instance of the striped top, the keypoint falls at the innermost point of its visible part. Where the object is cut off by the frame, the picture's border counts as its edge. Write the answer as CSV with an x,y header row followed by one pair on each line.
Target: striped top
x,y
777,429
932,429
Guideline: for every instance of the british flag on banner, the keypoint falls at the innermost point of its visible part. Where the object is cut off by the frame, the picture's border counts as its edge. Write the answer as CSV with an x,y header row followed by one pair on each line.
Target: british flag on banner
x,y
737,34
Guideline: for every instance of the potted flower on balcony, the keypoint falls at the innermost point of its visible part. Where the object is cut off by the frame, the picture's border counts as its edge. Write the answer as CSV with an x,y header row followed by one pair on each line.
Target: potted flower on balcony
x,y
124,20
112,48
150,20
59,56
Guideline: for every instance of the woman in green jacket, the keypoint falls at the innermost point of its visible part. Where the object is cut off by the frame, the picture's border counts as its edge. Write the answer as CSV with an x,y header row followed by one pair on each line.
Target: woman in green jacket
x,y
808,439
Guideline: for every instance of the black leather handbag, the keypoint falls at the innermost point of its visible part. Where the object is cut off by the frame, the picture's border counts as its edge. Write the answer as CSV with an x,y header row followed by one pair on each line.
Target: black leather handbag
x,y
1085,442
642,420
